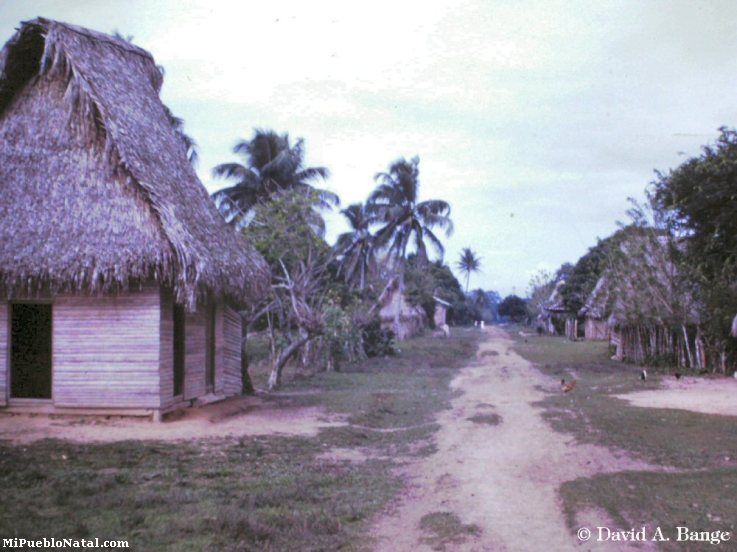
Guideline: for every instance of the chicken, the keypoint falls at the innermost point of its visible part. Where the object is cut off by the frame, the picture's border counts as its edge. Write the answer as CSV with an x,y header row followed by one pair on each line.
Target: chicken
x,y
566,387
678,375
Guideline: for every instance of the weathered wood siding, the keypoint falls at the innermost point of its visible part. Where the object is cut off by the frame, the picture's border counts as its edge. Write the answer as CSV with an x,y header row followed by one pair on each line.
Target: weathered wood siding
x,y
195,346
106,350
219,348
231,352
4,354
166,348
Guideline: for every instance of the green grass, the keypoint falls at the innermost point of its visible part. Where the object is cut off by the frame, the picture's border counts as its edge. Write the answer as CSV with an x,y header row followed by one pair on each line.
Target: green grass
x,y
259,493
701,448
443,529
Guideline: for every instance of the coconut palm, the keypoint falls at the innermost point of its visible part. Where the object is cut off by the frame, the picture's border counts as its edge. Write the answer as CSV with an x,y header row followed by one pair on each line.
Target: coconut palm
x,y
404,219
468,264
271,165
356,248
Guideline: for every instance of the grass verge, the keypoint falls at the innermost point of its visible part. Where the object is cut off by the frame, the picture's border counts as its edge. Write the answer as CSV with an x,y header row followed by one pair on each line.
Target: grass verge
x,y
258,493
700,450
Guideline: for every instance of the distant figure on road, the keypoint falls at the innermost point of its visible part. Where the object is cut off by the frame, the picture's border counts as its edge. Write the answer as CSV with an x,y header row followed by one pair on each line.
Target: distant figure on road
x,y
481,323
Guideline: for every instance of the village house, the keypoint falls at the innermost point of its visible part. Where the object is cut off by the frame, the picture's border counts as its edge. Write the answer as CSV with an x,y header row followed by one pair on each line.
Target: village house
x,y
596,312
120,281
394,305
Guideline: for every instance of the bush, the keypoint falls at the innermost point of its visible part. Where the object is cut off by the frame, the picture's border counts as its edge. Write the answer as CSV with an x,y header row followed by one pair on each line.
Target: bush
x,y
377,341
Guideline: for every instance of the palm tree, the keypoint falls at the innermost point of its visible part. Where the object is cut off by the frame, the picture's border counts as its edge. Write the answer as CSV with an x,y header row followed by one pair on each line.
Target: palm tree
x,y
356,247
405,220
271,165
468,263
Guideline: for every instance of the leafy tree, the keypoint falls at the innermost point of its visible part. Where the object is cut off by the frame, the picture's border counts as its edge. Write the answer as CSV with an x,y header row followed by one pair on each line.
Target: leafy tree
x,y
697,202
271,164
514,307
468,264
357,247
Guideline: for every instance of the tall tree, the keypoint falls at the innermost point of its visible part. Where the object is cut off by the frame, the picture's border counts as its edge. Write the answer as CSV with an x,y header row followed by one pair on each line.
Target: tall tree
x,y
356,248
404,219
468,264
270,164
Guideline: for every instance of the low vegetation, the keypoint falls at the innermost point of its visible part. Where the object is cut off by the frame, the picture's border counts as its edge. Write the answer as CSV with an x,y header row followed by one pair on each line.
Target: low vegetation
x,y
694,455
444,530
260,493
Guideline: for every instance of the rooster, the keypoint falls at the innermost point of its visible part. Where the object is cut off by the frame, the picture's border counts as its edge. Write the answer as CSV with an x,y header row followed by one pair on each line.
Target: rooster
x,y
566,387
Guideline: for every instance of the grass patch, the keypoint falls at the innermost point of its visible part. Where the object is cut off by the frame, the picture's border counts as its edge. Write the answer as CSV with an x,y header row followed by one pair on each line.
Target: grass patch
x,y
256,493
702,501
445,529
704,446
488,419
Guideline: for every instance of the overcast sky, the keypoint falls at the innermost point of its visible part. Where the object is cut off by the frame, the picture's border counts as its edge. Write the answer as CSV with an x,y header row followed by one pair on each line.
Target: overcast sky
x,y
535,120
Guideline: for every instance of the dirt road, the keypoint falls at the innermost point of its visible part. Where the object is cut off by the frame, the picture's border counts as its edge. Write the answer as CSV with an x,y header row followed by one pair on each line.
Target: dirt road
x,y
501,478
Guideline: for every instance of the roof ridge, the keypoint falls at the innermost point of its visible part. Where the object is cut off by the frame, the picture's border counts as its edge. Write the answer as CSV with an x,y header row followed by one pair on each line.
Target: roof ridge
x,y
94,35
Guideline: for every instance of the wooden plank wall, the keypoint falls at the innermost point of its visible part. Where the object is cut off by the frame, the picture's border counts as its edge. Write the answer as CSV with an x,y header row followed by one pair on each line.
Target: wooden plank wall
x,y
232,380
219,349
4,354
195,345
166,348
106,350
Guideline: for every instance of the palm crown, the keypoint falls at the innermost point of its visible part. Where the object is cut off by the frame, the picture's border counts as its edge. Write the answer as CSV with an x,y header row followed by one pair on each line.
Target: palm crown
x,y
356,247
468,263
271,165
405,220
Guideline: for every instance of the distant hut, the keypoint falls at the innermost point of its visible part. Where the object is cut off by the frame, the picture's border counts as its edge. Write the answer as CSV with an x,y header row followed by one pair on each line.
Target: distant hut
x,y
441,312
119,277
653,316
412,318
596,313
555,316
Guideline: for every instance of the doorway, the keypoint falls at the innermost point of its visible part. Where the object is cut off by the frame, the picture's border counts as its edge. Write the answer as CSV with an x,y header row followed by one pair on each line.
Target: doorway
x,y
178,350
30,350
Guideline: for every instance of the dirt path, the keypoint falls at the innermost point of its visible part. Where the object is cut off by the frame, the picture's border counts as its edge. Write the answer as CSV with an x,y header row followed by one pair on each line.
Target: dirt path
x,y
502,478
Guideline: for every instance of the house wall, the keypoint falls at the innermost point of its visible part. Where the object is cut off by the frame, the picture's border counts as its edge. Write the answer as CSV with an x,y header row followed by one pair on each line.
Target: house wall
x,y
195,347
166,348
106,350
4,354
596,330
232,383
440,315
227,351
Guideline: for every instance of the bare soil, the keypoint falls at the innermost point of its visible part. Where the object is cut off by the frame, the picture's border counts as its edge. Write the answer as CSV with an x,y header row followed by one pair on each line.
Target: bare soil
x,y
705,395
236,417
500,478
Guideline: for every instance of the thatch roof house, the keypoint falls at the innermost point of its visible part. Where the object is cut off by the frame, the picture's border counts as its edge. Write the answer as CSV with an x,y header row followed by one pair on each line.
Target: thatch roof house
x,y
596,312
412,318
553,311
119,278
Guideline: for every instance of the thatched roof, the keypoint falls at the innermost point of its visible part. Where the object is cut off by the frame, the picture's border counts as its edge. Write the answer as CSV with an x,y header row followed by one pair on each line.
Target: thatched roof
x,y
598,303
96,193
555,306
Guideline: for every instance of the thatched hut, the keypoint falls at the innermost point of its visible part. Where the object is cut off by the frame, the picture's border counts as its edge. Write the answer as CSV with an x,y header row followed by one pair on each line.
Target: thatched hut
x,y
440,316
595,312
653,315
554,316
412,318
120,280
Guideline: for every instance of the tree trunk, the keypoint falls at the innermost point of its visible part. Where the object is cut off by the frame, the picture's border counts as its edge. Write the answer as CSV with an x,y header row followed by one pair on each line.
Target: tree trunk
x,y
281,361
247,385
688,347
